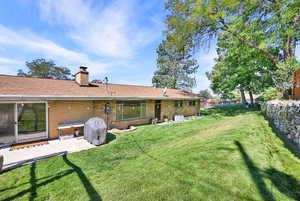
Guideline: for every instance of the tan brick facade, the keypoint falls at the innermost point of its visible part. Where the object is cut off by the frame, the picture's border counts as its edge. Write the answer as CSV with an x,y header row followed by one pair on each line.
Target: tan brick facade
x,y
82,77
61,112
168,109
296,85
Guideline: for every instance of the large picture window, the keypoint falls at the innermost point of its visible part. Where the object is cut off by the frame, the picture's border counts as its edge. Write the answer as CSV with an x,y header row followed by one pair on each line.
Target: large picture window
x,y
127,110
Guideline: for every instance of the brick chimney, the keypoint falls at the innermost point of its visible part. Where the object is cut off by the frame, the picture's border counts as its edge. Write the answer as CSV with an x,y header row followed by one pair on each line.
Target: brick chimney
x,y
82,76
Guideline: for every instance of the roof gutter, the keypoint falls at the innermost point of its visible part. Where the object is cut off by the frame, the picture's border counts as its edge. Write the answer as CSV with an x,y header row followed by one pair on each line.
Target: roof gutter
x,y
46,97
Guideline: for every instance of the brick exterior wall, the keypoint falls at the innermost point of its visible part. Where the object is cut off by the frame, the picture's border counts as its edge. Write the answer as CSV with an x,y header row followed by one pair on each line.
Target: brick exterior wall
x,y
168,109
296,85
61,112
82,78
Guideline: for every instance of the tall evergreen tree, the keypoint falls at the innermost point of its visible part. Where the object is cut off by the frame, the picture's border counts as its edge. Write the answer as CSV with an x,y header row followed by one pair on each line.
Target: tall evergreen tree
x,y
176,68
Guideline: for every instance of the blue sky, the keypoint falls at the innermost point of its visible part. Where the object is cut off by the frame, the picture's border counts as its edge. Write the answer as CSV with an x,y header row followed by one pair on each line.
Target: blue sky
x,y
117,39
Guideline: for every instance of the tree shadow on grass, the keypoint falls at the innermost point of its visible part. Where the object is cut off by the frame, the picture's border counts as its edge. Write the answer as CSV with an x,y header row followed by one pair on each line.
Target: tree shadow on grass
x,y
33,188
34,185
255,175
91,191
285,183
22,184
186,171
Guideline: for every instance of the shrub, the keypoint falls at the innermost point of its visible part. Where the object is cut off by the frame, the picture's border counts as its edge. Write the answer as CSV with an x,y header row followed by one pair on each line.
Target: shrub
x,y
269,94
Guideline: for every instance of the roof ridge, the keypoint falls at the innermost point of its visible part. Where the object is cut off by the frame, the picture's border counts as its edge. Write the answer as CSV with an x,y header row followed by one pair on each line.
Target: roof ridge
x,y
139,86
41,78
130,85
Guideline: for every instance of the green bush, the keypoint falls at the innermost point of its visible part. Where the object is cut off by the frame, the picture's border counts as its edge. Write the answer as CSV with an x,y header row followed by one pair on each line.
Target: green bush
x,y
269,94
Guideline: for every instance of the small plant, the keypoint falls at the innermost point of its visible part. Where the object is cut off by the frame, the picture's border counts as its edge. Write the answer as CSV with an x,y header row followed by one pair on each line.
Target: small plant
x,y
165,118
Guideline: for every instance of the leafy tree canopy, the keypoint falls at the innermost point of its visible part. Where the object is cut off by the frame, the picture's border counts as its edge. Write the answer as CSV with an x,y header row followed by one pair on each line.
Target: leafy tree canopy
x,y
269,94
239,67
205,94
45,69
270,28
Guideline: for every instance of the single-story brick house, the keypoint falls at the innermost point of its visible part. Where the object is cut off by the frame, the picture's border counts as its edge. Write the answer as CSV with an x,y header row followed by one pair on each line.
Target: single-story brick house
x,y
33,108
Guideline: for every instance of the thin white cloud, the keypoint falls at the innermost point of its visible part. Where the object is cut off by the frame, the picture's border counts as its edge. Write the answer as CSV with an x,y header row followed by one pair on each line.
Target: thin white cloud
x,y
4,60
106,30
8,69
9,66
132,82
28,42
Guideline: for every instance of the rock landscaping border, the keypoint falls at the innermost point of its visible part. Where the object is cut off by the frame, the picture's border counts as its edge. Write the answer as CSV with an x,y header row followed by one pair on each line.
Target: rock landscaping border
x,y
285,117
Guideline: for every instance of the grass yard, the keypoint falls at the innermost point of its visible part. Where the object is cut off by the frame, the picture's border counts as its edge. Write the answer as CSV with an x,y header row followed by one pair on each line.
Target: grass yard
x,y
230,154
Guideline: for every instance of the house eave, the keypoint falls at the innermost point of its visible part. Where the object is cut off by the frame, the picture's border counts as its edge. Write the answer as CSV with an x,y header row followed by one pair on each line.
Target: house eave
x,y
47,97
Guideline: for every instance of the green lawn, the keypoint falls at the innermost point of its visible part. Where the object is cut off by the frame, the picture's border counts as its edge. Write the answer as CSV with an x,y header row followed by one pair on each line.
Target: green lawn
x,y
230,154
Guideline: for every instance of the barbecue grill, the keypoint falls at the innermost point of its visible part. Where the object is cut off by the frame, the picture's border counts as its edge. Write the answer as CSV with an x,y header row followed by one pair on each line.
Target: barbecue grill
x,y
95,131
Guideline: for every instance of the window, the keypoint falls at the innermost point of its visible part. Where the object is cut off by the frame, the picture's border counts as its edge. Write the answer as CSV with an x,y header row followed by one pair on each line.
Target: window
x,y
127,110
178,103
31,117
192,103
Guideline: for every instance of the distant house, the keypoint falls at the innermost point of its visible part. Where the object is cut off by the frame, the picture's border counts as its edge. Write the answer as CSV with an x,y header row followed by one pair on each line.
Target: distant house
x,y
208,102
34,108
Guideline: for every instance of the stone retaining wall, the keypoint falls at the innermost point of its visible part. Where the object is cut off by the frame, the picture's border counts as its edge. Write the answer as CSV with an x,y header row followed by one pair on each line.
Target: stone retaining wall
x,y
285,116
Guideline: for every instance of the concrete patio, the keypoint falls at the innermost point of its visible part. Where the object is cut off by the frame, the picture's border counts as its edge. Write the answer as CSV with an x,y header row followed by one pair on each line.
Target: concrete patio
x,y
19,157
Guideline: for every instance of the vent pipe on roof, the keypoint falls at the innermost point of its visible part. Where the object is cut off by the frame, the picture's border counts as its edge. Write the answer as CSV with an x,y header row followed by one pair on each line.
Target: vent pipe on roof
x,y
82,76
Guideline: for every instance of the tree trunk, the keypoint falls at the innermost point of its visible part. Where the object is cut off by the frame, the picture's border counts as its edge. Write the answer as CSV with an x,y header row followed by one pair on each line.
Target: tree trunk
x,y
243,96
287,94
251,98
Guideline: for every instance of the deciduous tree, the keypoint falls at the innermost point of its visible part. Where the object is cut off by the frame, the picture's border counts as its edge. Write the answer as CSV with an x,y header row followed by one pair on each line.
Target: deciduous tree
x,y
239,67
45,69
205,94
270,27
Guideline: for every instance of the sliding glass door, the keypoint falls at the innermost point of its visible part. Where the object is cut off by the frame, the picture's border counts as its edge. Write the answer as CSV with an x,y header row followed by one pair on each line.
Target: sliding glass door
x,y
31,121
21,122
7,124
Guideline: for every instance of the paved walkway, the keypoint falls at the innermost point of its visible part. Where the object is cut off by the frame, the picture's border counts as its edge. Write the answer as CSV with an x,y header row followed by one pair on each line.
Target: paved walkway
x,y
19,157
